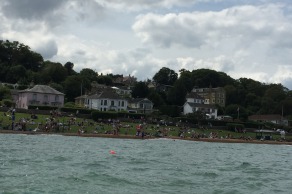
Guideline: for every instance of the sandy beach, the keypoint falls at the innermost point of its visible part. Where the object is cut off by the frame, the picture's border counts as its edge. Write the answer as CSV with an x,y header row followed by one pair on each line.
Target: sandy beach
x,y
122,136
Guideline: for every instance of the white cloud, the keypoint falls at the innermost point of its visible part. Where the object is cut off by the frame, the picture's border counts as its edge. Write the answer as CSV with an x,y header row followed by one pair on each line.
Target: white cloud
x,y
246,24
251,39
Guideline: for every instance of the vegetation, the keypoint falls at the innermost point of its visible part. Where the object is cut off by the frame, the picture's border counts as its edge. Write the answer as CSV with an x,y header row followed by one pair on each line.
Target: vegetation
x,y
19,67
159,128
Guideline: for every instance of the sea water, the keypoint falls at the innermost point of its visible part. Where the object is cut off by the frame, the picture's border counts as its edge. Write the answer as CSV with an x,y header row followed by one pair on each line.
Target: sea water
x,y
61,164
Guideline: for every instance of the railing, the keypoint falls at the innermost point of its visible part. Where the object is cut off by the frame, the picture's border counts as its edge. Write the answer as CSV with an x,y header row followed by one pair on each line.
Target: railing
x,y
34,102
56,103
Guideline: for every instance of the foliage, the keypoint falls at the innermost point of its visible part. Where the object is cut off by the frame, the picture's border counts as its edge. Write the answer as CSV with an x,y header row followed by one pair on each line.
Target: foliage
x,y
233,126
5,93
96,115
74,110
69,105
157,99
165,76
140,90
8,103
34,107
18,64
170,110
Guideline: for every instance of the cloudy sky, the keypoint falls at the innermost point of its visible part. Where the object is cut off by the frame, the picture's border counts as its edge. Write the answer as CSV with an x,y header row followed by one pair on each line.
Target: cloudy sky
x,y
243,38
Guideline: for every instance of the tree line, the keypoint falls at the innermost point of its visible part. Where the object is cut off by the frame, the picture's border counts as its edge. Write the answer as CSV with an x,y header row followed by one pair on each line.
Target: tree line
x,y
22,66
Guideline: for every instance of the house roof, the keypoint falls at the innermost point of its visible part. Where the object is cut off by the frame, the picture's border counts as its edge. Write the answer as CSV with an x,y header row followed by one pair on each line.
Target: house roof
x,y
105,94
44,89
200,105
194,95
136,100
14,92
266,117
81,97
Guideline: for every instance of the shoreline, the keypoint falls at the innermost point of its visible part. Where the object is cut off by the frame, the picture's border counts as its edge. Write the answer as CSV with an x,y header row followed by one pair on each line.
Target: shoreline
x,y
120,136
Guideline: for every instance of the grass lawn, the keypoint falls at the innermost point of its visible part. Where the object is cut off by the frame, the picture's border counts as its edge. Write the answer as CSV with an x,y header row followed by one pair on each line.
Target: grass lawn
x,y
90,126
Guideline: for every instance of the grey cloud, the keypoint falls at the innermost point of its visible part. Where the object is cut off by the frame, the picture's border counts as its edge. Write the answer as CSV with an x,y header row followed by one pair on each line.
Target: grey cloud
x,y
48,49
288,83
30,9
246,24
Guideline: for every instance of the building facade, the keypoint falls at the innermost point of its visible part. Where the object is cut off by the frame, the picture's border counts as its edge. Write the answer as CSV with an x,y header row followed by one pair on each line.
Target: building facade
x,y
40,95
212,95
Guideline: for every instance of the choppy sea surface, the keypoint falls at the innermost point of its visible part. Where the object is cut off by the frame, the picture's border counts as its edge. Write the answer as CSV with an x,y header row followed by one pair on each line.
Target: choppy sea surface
x,y
58,164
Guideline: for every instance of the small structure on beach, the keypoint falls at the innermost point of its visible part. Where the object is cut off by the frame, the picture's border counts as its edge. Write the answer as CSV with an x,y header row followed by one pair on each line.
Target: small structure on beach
x,y
265,134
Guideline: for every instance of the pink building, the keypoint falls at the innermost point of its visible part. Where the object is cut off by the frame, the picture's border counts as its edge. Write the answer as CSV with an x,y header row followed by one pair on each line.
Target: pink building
x,y
40,95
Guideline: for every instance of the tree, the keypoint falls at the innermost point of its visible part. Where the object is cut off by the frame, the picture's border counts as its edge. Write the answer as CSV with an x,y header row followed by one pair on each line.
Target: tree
x,y
203,78
54,72
165,76
72,87
5,93
89,74
156,99
15,74
177,94
69,67
276,92
140,90
104,79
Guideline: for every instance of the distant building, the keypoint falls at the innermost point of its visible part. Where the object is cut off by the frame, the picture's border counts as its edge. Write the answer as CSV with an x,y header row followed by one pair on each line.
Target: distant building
x,y
125,80
195,98
40,95
140,105
273,118
212,95
124,91
209,110
107,100
81,101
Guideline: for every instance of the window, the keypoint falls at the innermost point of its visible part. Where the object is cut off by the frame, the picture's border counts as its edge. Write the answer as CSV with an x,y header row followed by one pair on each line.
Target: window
x,y
141,105
46,98
123,104
34,96
119,103
56,98
112,103
105,102
101,102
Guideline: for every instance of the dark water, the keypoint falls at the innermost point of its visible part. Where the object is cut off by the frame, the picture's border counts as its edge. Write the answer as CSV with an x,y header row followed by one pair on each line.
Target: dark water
x,y
57,164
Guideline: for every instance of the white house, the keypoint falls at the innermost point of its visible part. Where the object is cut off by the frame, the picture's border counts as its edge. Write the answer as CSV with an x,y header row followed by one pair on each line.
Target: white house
x,y
123,90
105,101
140,105
195,98
209,110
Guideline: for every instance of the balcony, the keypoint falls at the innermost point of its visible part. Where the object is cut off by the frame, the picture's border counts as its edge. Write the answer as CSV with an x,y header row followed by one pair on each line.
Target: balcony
x,y
34,102
56,103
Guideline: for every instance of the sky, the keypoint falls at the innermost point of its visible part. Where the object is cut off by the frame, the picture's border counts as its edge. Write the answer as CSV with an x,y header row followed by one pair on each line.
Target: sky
x,y
243,38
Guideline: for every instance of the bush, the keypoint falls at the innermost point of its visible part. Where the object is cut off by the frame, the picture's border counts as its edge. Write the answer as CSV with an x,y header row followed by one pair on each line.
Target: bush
x,y
74,110
8,103
34,107
69,104
234,126
95,115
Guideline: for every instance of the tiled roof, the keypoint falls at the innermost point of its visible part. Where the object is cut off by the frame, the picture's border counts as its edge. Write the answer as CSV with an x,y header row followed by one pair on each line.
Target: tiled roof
x,y
42,89
200,105
105,94
81,97
136,100
194,95
266,117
